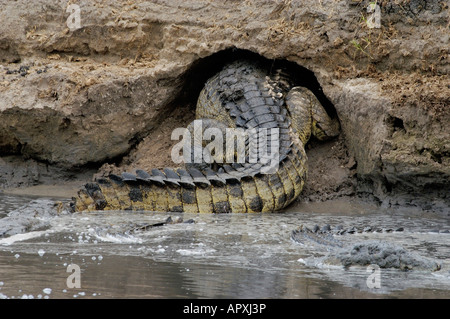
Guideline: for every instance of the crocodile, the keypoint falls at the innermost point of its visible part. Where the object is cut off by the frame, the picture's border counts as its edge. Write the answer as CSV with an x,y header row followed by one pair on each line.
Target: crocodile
x,y
245,95
363,253
168,221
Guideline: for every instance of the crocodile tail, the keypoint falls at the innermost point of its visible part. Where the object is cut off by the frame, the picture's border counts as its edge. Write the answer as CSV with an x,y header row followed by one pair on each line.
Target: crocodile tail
x,y
241,96
234,189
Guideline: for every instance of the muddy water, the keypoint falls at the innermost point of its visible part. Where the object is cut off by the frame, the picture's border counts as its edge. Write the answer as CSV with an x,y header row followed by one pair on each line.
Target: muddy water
x,y
218,256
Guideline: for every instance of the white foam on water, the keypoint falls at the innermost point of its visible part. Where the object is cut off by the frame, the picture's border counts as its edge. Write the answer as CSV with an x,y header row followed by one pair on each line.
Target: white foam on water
x,y
442,275
301,260
21,237
47,291
250,242
119,239
195,252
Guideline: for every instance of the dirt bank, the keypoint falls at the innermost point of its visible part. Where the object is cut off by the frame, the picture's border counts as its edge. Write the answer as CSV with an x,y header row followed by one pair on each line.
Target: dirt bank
x,y
104,94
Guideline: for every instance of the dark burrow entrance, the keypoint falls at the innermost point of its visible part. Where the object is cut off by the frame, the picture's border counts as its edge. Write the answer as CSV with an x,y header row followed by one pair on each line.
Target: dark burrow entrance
x,y
181,111
202,69
331,170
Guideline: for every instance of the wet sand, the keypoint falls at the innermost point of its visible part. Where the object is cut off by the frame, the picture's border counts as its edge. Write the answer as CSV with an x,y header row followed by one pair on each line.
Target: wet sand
x,y
65,190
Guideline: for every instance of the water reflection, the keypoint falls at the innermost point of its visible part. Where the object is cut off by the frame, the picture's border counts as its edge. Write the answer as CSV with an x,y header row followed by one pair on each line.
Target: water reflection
x,y
136,277
220,256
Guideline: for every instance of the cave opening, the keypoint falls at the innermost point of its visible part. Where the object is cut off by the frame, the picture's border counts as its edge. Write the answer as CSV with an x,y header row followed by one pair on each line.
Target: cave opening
x,y
180,111
204,68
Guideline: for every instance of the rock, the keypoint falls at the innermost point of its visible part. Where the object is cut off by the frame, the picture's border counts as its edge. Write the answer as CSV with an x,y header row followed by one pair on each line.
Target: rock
x,y
115,85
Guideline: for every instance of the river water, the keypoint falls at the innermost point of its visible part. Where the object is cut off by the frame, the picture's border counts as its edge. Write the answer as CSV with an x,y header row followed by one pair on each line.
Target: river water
x,y
93,255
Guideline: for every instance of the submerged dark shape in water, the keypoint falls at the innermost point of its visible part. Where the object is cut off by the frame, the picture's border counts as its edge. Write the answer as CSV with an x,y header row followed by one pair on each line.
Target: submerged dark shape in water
x,y
364,253
168,221
33,216
383,254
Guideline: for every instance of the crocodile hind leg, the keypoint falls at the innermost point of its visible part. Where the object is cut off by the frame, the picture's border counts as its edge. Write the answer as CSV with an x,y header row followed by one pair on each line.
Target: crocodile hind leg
x,y
308,116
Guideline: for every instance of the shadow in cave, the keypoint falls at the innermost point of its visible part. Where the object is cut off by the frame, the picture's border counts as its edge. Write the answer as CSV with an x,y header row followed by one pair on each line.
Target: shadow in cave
x,y
180,111
204,68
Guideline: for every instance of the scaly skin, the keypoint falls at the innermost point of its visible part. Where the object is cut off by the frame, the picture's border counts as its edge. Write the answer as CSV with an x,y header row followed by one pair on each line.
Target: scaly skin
x,y
243,95
365,252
